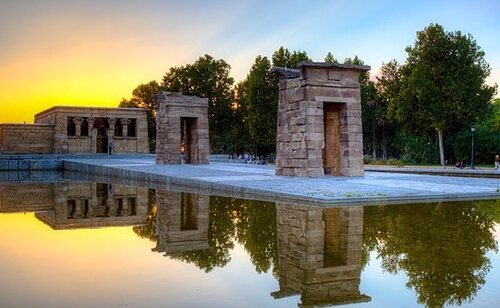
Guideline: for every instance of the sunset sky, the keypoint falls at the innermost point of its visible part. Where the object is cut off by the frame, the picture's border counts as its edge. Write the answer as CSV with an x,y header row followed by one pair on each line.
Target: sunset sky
x,y
93,53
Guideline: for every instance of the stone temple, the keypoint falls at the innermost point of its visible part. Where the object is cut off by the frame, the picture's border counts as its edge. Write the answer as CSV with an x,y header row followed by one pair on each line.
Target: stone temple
x,y
182,129
319,120
62,130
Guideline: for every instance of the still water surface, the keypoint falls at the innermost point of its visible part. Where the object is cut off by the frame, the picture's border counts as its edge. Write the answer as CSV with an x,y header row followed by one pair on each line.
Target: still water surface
x,y
84,244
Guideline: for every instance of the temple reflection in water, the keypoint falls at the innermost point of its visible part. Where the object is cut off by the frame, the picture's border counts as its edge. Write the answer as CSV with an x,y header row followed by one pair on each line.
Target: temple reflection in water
x,y
320,254
182,222
318,249
317,253
65,205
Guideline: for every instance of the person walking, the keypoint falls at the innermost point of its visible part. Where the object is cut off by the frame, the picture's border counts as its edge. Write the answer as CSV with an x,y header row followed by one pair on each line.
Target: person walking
x,y
110,147
497,162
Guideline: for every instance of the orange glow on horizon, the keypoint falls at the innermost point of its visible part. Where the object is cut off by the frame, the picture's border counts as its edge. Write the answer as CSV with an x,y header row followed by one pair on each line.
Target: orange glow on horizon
x,y
95,54
76,63
28,88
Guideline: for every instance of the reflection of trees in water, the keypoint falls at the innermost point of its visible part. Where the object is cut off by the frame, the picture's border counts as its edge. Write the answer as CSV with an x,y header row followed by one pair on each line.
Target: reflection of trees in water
x,y
256,231
441,247
496,211
148,230
251,223
220,234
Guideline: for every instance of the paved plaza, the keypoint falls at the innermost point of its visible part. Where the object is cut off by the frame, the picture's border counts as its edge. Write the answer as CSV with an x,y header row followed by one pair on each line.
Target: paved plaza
x,y
260,182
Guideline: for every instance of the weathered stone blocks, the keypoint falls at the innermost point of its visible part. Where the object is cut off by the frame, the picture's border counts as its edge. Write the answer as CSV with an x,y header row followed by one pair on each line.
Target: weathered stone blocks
x,y
26,138
99,122
180,115
182,221
319,251
302,120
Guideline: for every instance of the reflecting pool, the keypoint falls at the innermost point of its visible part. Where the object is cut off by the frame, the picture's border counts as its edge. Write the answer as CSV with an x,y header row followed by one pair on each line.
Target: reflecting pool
x,y
86,244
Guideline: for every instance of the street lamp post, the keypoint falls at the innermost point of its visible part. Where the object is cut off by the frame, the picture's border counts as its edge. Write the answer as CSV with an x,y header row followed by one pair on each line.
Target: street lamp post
x,y
472,130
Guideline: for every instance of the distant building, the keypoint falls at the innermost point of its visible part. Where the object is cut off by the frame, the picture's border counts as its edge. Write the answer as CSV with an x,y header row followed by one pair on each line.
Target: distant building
x,y
78,130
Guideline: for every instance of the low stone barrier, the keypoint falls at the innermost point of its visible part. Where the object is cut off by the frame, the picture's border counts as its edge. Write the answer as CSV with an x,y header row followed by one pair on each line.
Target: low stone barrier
x,y
33,162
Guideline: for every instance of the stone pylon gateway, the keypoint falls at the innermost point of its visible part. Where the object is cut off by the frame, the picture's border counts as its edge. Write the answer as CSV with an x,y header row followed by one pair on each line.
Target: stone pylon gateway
x,y
319,120
182,129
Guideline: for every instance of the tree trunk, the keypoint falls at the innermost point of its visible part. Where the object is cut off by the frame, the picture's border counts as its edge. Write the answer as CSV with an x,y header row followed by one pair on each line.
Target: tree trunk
x,y
374,149
384,143
441,146
374,139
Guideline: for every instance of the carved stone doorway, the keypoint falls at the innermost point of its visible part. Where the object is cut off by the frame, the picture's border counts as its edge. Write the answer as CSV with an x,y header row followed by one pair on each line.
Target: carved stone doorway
x,y
331,151
101,126
102,141
188,142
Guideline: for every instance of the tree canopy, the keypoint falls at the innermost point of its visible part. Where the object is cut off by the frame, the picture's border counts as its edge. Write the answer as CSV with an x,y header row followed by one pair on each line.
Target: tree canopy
x,y
442,83
143,96
258,95
415,111
208,77
329,58
284,58
262,104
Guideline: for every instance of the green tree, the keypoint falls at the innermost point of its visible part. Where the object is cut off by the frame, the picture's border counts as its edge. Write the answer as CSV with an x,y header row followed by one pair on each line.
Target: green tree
x,y
369,107
496,114
442,83
257,98
487,138
387,87
241,141
208,77
282,57
329,58
143,96
261,88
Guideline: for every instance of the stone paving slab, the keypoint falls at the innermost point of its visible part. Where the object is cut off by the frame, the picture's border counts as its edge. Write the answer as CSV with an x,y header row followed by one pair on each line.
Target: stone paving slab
x,y
259,182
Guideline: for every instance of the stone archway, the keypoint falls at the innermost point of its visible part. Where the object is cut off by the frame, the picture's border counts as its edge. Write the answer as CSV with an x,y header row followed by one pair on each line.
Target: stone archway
x,y
319,120
182,129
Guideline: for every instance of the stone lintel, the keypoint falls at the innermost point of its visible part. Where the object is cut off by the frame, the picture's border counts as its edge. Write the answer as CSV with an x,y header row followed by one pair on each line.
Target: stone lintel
x,y
177,99
41,125
91,111
341,100
344,83
305,64
285,73
186,103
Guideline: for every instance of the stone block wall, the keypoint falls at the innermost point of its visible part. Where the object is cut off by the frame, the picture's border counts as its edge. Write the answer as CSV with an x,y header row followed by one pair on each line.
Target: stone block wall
x,y
172,107
26,138
50,201
49,134
301,119
82,144
172,237
306,236
15,198
58,117
95,207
